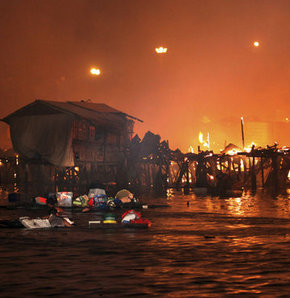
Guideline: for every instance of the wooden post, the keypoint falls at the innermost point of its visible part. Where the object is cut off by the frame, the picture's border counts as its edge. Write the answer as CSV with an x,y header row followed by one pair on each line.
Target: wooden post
x,y
262,171
242,128
275,173
186,188
253,176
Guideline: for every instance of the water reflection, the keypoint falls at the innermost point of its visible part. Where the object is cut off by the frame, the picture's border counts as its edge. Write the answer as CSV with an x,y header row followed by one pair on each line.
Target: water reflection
x,y
197,247
247,205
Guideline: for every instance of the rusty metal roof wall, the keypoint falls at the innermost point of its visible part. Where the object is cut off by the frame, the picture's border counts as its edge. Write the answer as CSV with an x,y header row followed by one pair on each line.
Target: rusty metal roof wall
x,y
100,113
97,107
101,107
31,109
97,117
111,118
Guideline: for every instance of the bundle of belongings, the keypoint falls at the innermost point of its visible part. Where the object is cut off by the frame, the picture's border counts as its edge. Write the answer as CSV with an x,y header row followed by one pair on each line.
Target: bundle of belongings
x,y
97,199
62,198
55,218
134,217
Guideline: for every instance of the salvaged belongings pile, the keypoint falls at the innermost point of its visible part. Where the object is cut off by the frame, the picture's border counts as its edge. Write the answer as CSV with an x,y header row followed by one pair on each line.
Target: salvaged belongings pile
x,y
55,218
96,199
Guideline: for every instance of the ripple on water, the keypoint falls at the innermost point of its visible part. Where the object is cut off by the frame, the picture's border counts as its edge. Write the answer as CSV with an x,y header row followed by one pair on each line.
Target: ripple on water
x,y
215,247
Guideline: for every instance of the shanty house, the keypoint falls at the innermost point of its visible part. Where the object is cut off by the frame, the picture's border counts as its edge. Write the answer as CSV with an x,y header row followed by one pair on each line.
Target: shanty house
x,y
90,137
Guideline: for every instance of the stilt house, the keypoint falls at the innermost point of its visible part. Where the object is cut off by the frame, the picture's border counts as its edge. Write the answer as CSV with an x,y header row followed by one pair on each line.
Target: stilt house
x,y
91,138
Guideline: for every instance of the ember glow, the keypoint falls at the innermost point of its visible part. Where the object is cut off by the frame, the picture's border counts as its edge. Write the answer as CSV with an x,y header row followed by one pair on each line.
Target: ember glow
x,y
249,147
233,152
191,149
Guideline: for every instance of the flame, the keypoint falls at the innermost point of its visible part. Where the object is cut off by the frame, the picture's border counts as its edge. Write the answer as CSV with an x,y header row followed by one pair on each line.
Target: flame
x,y
289,175
190,149
200,137
249,148
211,177
205,143
233,152
242,165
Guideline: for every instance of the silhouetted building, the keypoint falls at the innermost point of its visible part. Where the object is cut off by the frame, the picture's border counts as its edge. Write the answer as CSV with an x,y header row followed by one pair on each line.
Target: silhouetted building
x,y
91,138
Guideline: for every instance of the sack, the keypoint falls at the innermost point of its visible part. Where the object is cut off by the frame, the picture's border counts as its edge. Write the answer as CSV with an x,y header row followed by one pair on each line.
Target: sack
x,y
99,201
130,215
64,198
81,201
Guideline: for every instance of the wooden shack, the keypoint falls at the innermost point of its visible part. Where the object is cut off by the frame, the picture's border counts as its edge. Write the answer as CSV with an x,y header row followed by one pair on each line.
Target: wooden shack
x,y
70,144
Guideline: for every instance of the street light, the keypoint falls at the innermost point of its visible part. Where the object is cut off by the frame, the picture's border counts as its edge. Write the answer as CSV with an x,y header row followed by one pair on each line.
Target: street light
x,y
161,50
95,71
256,44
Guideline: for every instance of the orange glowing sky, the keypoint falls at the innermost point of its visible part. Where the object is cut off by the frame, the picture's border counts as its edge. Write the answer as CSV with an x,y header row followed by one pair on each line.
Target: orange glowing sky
x,y
211,75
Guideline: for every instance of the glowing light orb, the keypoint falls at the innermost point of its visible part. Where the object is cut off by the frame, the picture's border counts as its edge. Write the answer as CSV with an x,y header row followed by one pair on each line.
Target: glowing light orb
x,y
95,71
256,44
161,50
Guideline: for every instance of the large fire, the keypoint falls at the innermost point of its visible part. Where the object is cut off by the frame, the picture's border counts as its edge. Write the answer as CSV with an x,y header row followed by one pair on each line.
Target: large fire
x,y
205,143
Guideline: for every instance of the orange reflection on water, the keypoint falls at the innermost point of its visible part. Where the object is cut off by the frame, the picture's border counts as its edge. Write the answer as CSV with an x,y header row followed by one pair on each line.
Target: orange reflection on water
x,y
239,206
245,242
236,206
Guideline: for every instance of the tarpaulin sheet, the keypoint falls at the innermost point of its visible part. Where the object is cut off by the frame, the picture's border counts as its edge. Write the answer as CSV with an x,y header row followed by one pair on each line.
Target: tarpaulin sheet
x,y
47,137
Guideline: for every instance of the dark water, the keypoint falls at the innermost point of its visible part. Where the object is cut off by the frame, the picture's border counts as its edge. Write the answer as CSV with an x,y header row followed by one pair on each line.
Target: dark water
x,y
213,248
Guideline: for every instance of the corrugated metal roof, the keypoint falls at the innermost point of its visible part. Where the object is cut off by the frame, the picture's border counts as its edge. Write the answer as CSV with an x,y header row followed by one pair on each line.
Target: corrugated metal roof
x,y
101,118
99,113
97,107
100,107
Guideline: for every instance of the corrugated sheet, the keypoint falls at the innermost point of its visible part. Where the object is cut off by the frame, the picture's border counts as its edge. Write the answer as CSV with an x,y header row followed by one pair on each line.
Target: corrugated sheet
x,y
98,113
98,118
97,107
